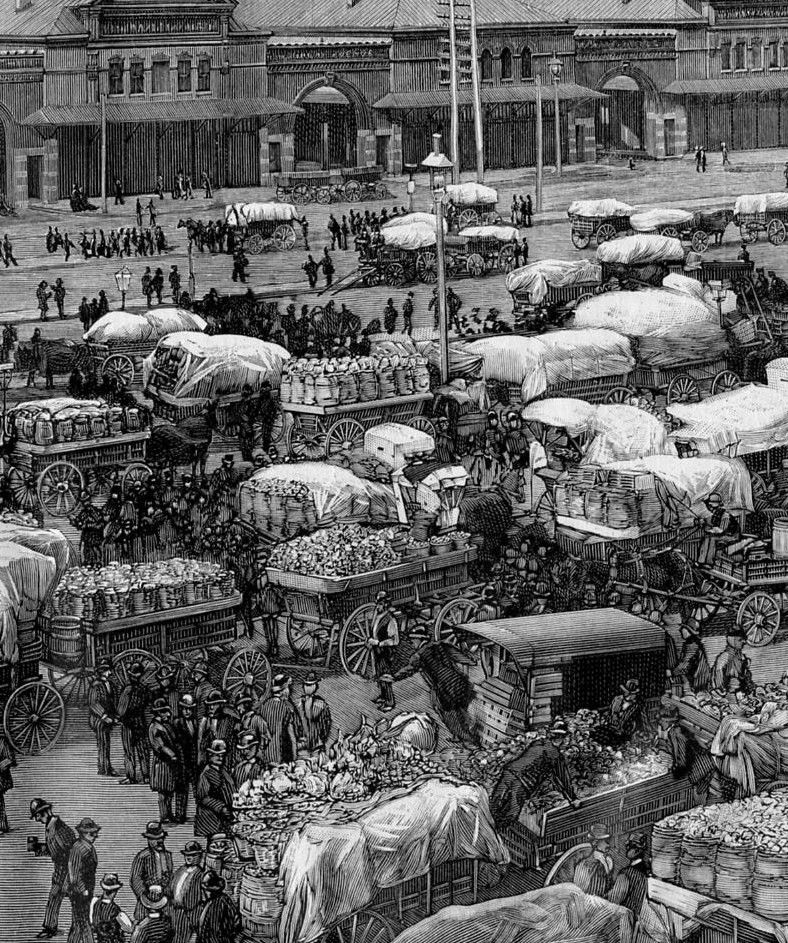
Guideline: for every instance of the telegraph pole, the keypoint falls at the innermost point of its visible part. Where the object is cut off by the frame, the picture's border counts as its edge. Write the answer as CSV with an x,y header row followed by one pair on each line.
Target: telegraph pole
x,y
477,97
539,135
455,111
103,153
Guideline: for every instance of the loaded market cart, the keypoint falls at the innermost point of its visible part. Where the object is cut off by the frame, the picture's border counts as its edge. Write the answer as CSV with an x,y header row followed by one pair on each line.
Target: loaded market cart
x,y
762,212
544,292
324,187
601,220
477,250
694,228
305,186
407,254
471,204
362,183
640,260
264,225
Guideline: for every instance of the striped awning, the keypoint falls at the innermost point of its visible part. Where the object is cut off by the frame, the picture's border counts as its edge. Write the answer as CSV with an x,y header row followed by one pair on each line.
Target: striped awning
x,y
733,86
490,95
134,112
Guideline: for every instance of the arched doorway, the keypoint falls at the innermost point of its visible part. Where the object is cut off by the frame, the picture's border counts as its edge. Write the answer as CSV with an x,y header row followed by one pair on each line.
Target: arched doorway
x,y
620,119
3,164
325,134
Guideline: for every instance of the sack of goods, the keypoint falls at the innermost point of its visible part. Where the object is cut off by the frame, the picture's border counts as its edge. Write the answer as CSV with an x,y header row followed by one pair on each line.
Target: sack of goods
x,y
643,249
599,209
326,381
127,327
466,194
118,590
658,217
756,204
62,419
415,219
535,279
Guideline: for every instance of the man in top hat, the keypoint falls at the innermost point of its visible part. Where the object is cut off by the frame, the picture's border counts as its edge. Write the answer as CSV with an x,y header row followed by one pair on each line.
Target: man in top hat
x,y
58,840
166,768
218,724
202,687
687,757
107,921
165,688
224,480
250,721
186,893
219,920
732,665
691,672
541,762
214,796
82,864
315,714
249,765
155,925
152,865
186,736
134,725
102,715
721,529
626,716
594,874
281,716
383,640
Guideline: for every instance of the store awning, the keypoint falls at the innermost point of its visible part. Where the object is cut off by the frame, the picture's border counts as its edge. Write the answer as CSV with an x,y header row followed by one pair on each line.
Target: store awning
x,y
134,112
491,95
733,86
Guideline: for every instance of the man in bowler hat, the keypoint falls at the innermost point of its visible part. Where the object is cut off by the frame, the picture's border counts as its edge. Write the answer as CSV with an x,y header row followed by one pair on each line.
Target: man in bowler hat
x,y
57,844
214,797
219,918
134,726
102,715
82,864
186,893
107,921
165,761
218,724
316,715
151,866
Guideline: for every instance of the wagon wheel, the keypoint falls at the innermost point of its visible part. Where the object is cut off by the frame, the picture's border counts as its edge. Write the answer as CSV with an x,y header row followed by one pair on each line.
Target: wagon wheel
x,y
59,486
619,394
122,662
73,685
356,658
284,238
23,488
307,639
423,424
301,194
683,389
120,368
366,926
605,233
255,244
776,232
227,421
278,427
725,381
564,868
136,471
759,618
580,240
307,444
760,493
373,278
34,718
455,612
352,191
586,297
748,232
381,190
395,275
248,671
545,511
505,261
467,218
344,436
700,240
323,196
670,231
427,267
475,265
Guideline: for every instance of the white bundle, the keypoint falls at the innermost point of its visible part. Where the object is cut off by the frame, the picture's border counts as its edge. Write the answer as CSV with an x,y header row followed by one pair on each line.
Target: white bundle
x,y
417,219
561,412
599,209
415,236
536,277
126,327
465,194
652,313
749,204
61,407
643,249
624,432
649,220
241,214
501,233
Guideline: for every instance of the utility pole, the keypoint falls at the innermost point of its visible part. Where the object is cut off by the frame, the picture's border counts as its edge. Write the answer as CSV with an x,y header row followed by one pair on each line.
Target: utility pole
x,y
539,135
477,97
103,153
455,111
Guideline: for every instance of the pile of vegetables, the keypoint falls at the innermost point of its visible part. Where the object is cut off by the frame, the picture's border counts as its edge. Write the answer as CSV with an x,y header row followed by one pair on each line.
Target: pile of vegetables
x,y
341,550
718,705
758,821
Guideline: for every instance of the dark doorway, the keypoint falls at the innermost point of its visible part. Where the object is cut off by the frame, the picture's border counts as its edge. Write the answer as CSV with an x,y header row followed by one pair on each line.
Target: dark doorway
x,y
34,168
325,134
580,143
275,157
382,151
670,137
619,124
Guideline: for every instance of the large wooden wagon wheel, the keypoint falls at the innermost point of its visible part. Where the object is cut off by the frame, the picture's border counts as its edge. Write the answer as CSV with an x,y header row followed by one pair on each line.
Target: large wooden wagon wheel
x,y
284,237
372,278
354,653
427,267
776,232
724,382
255,243
301,194
395,275
468,218
423,424
227,421
366,926
23,488
700,240
307,443
619,394
344,436
475,265
455,612
122,662
352,191
73,684
323,196
120,368
563,870
670,231
248,672
605,232
59,486
580,240
683,389
307,638
506,259
759,618
34,718
136,471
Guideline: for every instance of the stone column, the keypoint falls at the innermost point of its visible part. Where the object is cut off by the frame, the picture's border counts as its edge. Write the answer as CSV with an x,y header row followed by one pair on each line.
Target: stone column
x,y
371,151
263,156
19,183
361,147
49,182
395,149
288,153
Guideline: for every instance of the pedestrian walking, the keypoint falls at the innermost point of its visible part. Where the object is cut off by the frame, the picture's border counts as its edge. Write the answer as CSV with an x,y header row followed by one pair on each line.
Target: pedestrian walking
x,y
186,893
159,186
165,762
240,264
335,231
698,159
177,186
315,715
327,264
132,703
7,762
186,736
68,245
151,213
407,314
155,926
82,865
188,193
528,210
281,716
138,212
42,297
724,153
219,918
310,267
703,159
107,921
390,315
151,866
383,640
345,229
119,200
59,295
202,688
785,174
157,284
8,252
103,304
50,241
147,284
453,305
214,797
305,231
102,715
205,182
175,283
9,342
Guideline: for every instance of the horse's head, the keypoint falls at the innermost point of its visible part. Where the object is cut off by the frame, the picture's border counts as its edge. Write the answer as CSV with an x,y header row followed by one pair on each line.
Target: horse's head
x,y
181,224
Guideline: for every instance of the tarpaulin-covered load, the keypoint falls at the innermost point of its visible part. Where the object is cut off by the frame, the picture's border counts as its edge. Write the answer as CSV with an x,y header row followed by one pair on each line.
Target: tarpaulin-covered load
x,y
599,209
414,219
501,233
749,419
462,363
27,579
197,366
127,327
671,327
561,412
415,236
652,219
643,249
59,407
751,204
47,541
330,871
465,194
537,277
691,286
9,636
241,214
537,363
561,913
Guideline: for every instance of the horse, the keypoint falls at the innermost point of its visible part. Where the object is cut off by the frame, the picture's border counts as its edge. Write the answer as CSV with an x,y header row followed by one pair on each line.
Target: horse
x,y
186,442
714,223
193,228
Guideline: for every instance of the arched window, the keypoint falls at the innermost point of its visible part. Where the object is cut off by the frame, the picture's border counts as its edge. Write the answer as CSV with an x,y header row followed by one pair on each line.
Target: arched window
x,y
506,63
487,62
525,63
115,76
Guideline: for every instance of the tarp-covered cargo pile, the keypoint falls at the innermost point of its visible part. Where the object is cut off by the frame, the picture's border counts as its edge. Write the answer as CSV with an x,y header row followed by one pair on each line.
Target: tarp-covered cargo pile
x,y
536,278
536,363
753,204
468,194
599,209
139,327
241,214
189,365
63,419
499,233
123,589
642,249
324,381
462,363
26,580
18,529
410,237
415,219
652,219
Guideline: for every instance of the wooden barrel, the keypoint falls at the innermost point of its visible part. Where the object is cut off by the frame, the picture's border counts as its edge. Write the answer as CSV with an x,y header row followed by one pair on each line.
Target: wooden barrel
x,y
232,872
733,875
698,856
770,886
260,902
780,537
666,852
66,643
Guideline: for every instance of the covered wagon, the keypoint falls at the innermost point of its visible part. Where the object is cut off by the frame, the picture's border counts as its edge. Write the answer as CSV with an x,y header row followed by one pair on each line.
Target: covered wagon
x,y
640,259
601,220
264,225
543,291
681,224
471,204
408,253
762,212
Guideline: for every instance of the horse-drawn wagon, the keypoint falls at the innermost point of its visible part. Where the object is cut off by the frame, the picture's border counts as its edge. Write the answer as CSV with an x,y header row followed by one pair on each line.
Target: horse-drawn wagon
x,y
600,220
405,254
640,260
695,228
471,204
544,292
331,186
477,250
762,212
264,225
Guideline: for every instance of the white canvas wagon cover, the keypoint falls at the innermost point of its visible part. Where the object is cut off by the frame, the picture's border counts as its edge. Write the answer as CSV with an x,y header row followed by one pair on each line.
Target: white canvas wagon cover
x,y
466,194
599,209
642,249
536,277
649,220
241,214
137,327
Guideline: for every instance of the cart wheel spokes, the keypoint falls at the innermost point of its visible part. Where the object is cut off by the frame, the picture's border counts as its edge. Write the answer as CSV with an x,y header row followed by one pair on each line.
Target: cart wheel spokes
x,y
475,265
506,259
301,194
248,671
344,436
619,394
120,367
423,424
700,240
760,493
255,244
308,640
59,486
284,238
73,685
776,232
427,267
683,389
352,191
381,190
23,488
136,471
395,275
278,427
354,654
605,233
34,718
366,926
468,218
580,240
307,443
121,664
759,618
671,232
455,612
724,382
323,196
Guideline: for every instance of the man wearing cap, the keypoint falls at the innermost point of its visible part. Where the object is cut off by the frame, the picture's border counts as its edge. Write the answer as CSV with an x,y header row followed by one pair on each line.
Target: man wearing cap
x,y
218,724
82,864
223,483
732,665
202,687
166,768
58,840
102,714
186,892
165,688
281,716
594,874
107,921
250,721
315,714
626,716
214,796
152,865
249,765
134,726
155,925
692,671
721,529
186,736
629,889
383,640
219,920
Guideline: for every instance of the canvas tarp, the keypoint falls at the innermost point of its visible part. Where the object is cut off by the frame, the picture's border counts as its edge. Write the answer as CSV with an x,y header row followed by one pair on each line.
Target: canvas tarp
x,y
750,204
649,220
329,871
47,541
643,249
241,214
461,362
501,233
60,407
413,236
599,209
127,327
536,277
26,579
414,219
465,194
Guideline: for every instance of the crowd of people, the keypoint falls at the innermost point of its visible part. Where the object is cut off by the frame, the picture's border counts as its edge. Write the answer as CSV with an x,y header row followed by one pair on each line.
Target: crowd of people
x,y
117,243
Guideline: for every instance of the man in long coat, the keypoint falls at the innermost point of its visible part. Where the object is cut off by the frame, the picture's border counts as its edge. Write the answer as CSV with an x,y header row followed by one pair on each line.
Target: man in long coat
x,y
219,917
7,762
82,864
214,796
186,734
186,893
152,866
102,715
58,839
594,874
218,724
316,715
279,712
131,712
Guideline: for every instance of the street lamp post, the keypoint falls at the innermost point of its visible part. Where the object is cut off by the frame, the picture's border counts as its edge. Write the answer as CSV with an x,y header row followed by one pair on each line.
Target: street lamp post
x,y
556,68
411,169
438,163
6,375
719,293
539,135
123,280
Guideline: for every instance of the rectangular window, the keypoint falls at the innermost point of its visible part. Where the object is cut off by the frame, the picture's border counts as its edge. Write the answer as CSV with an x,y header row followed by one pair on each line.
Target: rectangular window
x,y
725,57
785,55
184,75
756,55
774,56
740,62
136,78
161,77
204,75
116,77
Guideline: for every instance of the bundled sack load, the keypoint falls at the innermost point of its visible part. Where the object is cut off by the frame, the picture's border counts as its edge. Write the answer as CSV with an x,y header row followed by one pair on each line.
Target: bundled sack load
x,y
63,419
241,214
537,277
189,365
127,327
599,209
47,541
643,249
465,194
9,634
502,233
414,219
414,236
691,286
28,577
753,204
651,220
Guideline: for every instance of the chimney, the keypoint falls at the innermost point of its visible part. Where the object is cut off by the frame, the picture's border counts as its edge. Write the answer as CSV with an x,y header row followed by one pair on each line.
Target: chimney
x,y
20,5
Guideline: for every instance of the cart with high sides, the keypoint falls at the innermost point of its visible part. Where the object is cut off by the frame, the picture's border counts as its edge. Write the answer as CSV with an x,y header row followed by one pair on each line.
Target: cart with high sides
x,y
265,225
600,220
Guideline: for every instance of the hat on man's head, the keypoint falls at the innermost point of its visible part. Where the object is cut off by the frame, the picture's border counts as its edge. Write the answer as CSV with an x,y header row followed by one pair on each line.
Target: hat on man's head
x,y
111,882
37,806
218,748
211,881
632,686
186,701
247,740
191,849
216,697
280,682
160,705
154,829
87,825
311,680
599,832
154,899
